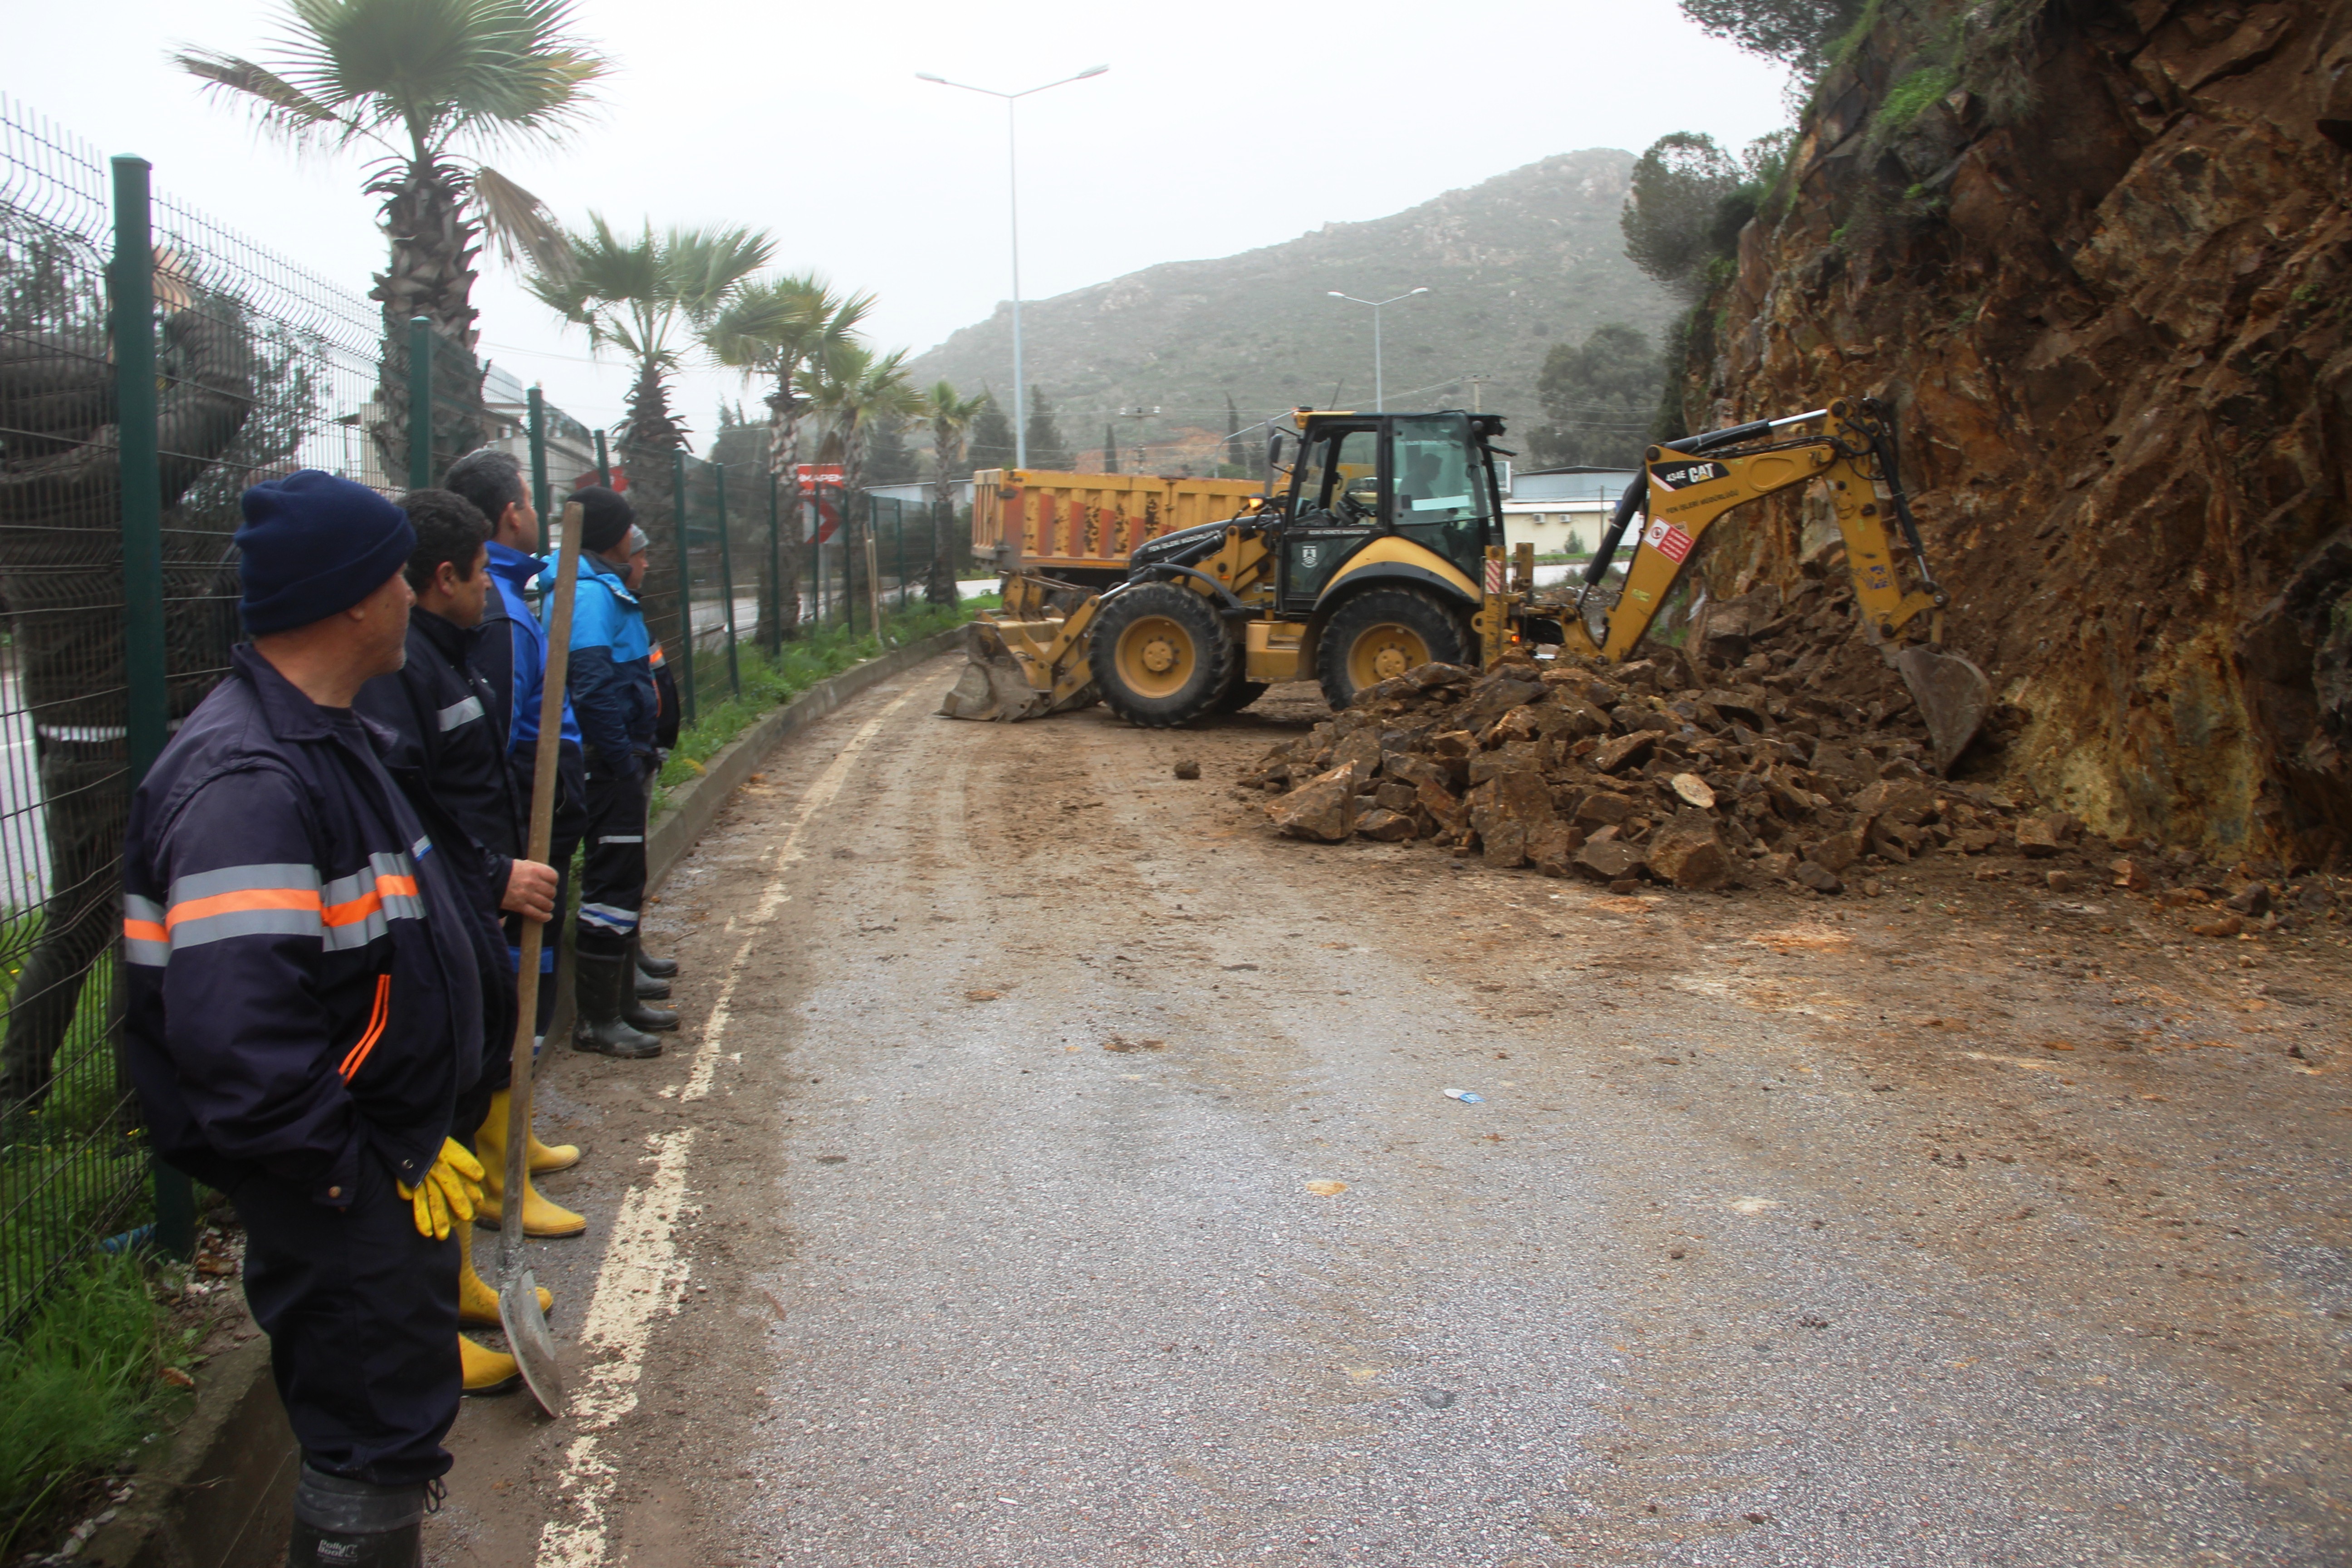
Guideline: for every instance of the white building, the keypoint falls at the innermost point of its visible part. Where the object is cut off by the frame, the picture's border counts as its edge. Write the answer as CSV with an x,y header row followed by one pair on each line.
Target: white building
x,y
1561,511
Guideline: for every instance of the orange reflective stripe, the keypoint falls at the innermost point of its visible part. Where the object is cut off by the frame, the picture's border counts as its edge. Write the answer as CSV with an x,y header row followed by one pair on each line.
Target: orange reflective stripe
x,y
143,930
359,1053
396,887
358,910
234,903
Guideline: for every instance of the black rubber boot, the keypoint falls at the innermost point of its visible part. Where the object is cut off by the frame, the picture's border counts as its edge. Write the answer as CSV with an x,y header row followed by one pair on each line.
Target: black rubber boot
x,y
601,1025
640,1015
651,987
659,968
343,1523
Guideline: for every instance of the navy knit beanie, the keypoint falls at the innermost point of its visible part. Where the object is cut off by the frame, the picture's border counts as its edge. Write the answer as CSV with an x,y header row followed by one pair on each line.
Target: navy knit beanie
x,y
313,544
606,518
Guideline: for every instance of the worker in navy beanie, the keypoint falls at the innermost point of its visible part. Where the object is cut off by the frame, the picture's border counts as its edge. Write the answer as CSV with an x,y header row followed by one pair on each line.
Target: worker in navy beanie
x,y
304,1008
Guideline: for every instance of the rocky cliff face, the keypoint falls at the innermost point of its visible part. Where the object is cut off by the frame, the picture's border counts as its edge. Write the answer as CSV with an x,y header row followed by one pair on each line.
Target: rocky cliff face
x,y
2100,255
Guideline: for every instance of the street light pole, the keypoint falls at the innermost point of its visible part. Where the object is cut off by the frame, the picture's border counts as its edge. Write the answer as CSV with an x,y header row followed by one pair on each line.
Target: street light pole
x,y
1379,388
1013,194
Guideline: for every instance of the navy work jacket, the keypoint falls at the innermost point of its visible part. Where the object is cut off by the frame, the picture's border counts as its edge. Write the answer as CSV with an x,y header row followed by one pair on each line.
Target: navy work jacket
x,y
304,988
444,711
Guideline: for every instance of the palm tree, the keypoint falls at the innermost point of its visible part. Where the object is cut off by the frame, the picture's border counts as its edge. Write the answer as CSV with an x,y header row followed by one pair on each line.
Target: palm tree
x,y
428,85
856,391
646,296
951,418
782,330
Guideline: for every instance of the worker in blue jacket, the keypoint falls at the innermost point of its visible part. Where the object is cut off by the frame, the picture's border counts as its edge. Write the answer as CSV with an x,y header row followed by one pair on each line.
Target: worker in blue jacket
x,y
450,747
612,690
305,1008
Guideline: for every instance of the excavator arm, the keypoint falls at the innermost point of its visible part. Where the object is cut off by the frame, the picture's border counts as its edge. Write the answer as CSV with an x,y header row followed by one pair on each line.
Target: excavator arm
x,y
1688,485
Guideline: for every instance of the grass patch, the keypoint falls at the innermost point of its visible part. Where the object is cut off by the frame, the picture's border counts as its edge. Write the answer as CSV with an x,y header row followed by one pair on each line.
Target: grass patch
x,y
768,684
81,1390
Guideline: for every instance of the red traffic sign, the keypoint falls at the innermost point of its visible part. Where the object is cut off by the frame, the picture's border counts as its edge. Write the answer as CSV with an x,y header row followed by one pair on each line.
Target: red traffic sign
x,y
816,476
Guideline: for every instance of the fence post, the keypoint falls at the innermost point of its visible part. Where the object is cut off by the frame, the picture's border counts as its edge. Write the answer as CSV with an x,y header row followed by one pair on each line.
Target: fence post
x,y
726,582
604,464
145,672
775,576
420,403
898,526
686,705
539,499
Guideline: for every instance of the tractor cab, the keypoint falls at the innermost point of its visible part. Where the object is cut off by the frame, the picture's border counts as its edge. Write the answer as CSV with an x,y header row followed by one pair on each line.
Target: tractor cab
x,y
1423,479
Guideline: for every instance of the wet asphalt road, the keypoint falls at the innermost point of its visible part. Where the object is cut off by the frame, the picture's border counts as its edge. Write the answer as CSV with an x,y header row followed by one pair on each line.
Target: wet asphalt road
x,y
1078,1187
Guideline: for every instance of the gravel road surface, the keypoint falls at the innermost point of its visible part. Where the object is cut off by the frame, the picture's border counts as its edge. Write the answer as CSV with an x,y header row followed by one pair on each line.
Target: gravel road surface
x,y
1057,1169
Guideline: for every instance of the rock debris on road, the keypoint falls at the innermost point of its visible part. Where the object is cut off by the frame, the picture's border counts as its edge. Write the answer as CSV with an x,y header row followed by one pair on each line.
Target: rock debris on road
x,y
1077,1184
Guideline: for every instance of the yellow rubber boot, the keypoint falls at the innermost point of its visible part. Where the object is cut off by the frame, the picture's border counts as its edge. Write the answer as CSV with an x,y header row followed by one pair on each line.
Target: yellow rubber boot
x,y
487,1370
540,1217
542,1159
478,1304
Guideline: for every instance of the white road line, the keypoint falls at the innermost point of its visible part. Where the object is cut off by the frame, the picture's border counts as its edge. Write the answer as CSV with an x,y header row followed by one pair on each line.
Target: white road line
x,y
641,1274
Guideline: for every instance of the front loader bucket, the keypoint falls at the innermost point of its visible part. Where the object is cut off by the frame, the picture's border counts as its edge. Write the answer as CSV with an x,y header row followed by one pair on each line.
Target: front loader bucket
x,y
999,685
1953,696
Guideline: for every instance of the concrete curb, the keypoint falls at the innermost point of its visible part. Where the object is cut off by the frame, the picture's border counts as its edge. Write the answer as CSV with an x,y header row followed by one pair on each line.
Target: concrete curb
x,y
692,805
221,1495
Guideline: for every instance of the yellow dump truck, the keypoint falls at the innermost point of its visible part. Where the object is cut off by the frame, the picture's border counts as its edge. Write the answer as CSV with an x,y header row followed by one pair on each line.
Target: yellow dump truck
x,y
1084,529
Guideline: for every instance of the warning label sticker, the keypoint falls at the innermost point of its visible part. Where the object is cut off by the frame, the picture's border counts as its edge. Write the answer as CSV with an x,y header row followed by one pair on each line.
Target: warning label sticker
x,y
1668,540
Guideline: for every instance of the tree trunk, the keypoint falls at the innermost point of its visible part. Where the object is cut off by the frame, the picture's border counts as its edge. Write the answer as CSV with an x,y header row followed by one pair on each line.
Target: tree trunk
x,y
648,440
431,274
946,548
783,460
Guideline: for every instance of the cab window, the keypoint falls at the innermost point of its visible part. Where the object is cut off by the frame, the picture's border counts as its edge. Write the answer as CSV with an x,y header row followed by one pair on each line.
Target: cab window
x,y
1339,483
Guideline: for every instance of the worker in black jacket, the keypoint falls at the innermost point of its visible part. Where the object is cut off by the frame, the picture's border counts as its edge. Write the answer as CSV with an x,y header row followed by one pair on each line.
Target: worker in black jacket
x,y
441,707
305,1008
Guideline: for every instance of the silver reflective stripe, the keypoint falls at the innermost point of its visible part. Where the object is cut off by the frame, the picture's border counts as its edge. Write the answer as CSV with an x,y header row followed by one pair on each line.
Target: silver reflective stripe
x,y
609,916
239,880
89,734
458,713
358,906
420,848
622,838
147,914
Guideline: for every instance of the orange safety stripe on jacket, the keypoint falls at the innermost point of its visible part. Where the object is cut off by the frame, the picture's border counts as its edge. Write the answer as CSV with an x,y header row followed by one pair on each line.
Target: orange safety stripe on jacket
x,y
359,1053
368,902
238,902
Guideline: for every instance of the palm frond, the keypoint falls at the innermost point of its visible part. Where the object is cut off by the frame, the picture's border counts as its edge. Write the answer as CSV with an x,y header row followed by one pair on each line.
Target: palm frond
x,y
278,104
519,225
704,268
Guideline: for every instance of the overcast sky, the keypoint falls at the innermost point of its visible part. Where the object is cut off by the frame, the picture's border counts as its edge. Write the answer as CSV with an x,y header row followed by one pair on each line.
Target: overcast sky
x,y
1219,127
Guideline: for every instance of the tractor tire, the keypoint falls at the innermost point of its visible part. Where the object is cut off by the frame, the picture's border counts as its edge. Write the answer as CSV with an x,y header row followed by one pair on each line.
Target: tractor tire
x,y
1381,633
1160,655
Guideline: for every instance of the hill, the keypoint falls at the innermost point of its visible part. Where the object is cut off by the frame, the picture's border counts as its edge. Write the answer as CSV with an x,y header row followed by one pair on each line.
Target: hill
x,y
1512,265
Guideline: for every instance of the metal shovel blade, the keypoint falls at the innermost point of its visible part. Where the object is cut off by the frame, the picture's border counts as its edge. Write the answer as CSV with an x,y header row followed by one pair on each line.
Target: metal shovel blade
x,y
1953,696
528,1338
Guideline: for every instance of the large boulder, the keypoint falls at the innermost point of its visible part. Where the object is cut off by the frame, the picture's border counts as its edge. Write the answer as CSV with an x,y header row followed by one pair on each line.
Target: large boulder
x,y
1506,809
1607,861
1323,807
1688,853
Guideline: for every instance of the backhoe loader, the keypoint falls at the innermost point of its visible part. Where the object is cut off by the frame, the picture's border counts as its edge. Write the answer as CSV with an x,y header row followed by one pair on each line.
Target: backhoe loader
x,y
1385,551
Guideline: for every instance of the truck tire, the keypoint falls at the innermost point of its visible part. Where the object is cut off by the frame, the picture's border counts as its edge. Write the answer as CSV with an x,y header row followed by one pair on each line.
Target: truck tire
x,y
1160,655
1383,632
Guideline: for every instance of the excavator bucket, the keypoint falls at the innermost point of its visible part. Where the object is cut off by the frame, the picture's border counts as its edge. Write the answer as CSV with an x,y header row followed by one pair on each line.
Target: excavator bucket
x,y
1953,696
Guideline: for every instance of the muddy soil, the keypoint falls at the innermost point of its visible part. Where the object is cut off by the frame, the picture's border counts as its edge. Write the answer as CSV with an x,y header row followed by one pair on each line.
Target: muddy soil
x,y
1058,1168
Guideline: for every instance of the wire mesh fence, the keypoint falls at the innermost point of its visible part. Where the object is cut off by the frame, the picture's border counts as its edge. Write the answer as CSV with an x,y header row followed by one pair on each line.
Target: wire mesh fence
x,y
153,365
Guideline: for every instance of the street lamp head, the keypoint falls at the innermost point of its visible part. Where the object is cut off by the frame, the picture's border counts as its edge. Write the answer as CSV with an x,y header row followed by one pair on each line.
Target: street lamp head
x,y
1090,70
925,76
1420,292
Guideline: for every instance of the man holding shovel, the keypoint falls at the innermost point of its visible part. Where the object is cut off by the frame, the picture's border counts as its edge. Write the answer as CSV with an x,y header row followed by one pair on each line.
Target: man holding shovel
x,y
305,1010
452,758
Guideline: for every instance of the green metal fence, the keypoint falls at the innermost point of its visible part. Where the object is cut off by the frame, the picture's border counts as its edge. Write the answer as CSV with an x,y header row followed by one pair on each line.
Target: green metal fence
x,y
153,364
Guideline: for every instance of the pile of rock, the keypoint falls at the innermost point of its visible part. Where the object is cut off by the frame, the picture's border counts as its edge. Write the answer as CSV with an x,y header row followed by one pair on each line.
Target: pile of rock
x,y
1639,771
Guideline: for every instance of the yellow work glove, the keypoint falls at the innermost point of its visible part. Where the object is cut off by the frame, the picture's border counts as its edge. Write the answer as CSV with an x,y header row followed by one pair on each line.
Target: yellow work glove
x,y
452,1188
